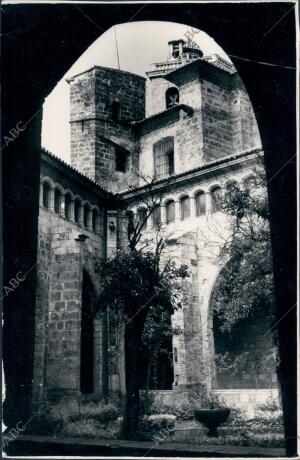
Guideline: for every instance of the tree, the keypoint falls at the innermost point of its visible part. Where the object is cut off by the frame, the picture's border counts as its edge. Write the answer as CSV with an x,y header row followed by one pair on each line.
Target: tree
x,y
137,284
134,283
245,289
157,343
150,199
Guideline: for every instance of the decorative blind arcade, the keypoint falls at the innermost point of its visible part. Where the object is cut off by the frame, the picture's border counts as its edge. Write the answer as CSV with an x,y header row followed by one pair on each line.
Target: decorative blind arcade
x,y
164,158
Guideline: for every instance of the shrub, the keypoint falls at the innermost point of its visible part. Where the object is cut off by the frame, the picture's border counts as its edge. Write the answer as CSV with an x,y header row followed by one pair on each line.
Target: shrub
x,y
146,403
183,412
86,428
154,423
74,417
104,413
73,410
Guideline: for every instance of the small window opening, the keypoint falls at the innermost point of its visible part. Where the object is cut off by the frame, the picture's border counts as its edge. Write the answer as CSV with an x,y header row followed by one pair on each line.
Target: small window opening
x,y
67,206
76,211
121,160
57,201
172,97
86,216
115,110
46,195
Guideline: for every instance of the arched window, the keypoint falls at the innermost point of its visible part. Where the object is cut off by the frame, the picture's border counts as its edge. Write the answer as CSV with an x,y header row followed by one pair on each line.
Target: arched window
x,y
142,217
185,207
95,220
77,211
216,198
156,217
200,203
46,195
86,212
172,97
170,211
68,201
57,200
164,158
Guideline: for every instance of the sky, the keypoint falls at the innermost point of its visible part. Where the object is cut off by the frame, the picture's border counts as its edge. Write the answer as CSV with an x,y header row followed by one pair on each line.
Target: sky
x,y
139,45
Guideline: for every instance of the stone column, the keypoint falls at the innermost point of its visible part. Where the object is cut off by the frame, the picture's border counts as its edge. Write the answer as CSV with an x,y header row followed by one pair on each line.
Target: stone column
x,y
99,219
193,203
80,215
62,205
177,211
89,221
150,222
51,199
208,200
72,210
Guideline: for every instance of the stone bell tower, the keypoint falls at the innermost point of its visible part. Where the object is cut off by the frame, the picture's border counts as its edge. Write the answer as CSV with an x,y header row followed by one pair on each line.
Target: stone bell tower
x,y
180,53
104,102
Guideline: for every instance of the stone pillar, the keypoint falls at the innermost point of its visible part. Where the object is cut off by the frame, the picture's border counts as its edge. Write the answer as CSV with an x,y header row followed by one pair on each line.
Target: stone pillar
x,y
64,319
111,233
208,200
98,354
80,215
193,203
51,199
89,221
72,210
62,205
150,222
99,219
177,211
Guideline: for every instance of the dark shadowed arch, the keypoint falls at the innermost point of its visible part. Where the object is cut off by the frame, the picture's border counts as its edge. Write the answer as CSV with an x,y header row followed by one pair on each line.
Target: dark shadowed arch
x,y
264,35
87,335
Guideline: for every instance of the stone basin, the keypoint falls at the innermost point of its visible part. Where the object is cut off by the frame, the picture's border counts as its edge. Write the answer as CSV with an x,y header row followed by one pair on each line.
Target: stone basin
x,y
212,418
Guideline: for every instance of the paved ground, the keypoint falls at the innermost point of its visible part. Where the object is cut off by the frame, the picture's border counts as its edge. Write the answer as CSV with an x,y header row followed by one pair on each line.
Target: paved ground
x,y
45,445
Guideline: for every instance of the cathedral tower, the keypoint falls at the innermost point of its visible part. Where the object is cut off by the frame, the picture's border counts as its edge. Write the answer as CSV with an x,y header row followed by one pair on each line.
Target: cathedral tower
x,y
103,103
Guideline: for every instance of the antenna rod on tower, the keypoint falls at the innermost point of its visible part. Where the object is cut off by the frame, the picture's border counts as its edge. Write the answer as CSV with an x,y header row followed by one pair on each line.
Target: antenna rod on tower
x,y
117,47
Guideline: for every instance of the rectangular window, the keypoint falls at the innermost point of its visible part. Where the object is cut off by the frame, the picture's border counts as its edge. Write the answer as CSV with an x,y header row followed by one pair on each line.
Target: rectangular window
x,y
121,160
164,158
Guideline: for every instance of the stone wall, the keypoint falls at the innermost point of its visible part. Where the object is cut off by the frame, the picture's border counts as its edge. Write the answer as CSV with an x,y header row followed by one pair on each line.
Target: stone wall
x,y
103,101
229,124
62,258
159,87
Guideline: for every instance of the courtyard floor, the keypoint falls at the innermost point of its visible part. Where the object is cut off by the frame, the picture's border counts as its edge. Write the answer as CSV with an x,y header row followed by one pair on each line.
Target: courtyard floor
x,y
46,445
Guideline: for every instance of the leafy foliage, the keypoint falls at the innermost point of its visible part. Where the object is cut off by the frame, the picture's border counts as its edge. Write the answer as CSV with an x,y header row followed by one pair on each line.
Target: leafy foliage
x,y
245,287
134,280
